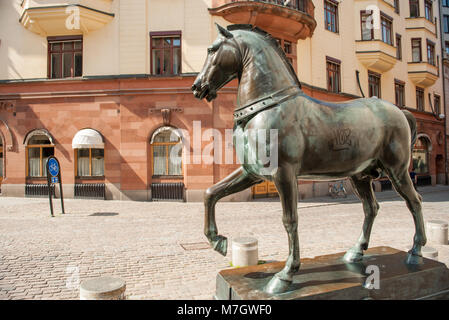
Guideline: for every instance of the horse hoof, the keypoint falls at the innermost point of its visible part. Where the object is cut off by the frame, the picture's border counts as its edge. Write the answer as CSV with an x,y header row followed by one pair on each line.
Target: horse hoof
x,y
353,256
414,259
221,245
277,286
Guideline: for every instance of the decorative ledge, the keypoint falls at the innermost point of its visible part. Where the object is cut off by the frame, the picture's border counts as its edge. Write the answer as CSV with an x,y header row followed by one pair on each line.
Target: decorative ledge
x,y
294,21
422,74
57,21
376,55
420,23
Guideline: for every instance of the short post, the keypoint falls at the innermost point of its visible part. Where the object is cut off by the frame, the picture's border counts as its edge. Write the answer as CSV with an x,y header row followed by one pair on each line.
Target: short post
x,y
103,288
245,252
437,232
429,253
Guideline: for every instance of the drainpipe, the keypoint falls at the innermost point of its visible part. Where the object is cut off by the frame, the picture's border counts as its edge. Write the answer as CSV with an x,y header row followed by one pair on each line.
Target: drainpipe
x,y
446,176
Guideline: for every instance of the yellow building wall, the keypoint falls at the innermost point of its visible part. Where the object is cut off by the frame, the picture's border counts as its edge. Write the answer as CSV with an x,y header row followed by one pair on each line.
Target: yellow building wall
x,y
23,54
312,52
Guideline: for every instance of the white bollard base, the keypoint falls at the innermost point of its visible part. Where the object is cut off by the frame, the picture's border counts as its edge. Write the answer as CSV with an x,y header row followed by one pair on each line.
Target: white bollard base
x,y
437,232
429,253
245,252
103,288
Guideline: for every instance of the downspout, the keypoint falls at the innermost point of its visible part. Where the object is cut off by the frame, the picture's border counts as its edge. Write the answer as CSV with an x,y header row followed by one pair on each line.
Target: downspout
x,y
446,176
357,74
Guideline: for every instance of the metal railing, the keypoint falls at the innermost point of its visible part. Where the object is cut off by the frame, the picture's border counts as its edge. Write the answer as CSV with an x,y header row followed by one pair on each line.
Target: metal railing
x,y
38,190
90,190
167,191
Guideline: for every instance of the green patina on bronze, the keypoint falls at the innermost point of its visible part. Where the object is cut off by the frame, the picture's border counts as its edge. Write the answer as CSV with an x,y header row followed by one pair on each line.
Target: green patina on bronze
x,y
317,140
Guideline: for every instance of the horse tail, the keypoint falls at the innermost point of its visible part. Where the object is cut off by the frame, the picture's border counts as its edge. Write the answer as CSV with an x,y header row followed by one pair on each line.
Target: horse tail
x,y
412,124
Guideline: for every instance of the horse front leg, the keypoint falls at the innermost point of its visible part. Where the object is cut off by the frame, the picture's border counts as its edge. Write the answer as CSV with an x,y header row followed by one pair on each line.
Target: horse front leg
x,y
237,181
287,186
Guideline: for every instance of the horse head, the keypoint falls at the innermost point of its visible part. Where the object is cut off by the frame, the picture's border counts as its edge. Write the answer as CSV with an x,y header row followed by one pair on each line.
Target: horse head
x,y
223,64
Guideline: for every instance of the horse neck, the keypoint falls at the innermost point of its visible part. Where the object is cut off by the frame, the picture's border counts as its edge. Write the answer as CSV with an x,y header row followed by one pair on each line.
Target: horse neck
x,y
264,73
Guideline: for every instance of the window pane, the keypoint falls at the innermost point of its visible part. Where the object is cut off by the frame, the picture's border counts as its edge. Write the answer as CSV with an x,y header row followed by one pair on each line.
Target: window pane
x,y
166,62
78,65
46,153
83,162
166,136
174,160
67,64
176,42
77,45
157,58
176,60
56,71
167,42
97,162
39,139
67,46
157,42
56,46
34,162
159,160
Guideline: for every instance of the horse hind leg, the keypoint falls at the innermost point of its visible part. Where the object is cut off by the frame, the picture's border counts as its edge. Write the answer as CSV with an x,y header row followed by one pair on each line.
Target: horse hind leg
x,y
364,190
237,181
404,186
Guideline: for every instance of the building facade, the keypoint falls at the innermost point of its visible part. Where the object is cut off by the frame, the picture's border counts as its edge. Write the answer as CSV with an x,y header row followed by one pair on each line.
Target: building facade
x,y
104,84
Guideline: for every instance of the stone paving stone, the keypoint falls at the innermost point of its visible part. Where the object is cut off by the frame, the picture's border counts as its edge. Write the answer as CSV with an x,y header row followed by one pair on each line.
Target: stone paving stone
x,y
40,255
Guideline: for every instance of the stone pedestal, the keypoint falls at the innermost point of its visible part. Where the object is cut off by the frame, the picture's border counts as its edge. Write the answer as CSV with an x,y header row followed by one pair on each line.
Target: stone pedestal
x,y
103,288
430,253
437,232
329,277
245,252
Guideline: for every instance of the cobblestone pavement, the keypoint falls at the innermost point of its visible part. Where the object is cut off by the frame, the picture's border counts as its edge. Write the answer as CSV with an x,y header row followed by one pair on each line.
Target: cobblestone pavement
x,y
159,248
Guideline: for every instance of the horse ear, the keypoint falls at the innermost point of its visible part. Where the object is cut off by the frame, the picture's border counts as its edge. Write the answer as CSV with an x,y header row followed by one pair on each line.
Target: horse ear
x,y
225,33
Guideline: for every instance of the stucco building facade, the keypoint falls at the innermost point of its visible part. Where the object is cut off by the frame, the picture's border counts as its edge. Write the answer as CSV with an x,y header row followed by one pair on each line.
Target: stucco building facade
x,y
102,84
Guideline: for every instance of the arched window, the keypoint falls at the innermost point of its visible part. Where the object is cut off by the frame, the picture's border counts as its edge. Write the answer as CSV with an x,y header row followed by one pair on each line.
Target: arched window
x,y
89,153
39,147
166,148
421,155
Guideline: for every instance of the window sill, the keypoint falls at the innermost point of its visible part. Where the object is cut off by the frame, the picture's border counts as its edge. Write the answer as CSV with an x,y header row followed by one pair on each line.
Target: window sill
x,y
90,178
167,177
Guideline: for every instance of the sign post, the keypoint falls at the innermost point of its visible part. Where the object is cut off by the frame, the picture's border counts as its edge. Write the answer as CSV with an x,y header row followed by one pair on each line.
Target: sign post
x,y
54,177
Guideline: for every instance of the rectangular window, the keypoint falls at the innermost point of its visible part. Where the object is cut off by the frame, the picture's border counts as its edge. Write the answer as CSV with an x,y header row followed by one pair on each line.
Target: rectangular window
x,y
396,6
374,84
331,15
65,57
431,52
398,47
90,162
437,105
419,99
446,23
387,29
366,24
445,3
428,10
416,50
414,8
399,91
165,53
446,46
333,75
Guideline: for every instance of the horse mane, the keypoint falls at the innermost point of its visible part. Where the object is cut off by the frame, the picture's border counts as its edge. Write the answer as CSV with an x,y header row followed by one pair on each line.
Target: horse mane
x,y
272,41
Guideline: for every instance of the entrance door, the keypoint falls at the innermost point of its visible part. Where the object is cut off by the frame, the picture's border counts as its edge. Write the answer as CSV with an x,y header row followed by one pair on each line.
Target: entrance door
x,y
264,190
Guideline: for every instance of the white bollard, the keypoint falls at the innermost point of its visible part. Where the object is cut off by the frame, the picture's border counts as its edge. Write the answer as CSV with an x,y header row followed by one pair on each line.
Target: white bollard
x,y
429,253
437,232
245,252
103,288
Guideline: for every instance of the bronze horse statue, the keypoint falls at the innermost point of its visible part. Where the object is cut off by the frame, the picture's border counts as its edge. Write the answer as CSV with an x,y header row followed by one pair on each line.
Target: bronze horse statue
x,y
359,139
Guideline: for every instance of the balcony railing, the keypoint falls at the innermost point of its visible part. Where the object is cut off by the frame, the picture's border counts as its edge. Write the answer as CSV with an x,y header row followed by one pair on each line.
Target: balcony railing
x,y
301,5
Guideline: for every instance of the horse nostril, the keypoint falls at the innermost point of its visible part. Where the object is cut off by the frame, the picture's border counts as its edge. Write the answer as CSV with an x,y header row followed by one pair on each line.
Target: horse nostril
x,y
193,87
